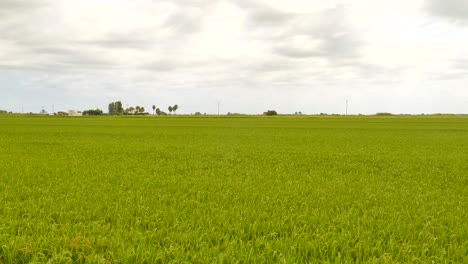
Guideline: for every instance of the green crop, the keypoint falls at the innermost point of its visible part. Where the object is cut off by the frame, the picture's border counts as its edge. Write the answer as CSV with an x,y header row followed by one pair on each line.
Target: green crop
x,y
233,189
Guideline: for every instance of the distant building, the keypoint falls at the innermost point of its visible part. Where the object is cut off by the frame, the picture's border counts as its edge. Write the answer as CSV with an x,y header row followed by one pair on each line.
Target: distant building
x,y
131,111
75,113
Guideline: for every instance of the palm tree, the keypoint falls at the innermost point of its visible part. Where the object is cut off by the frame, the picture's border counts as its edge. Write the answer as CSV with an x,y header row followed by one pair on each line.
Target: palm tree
x,y
174,108
170,109
154,108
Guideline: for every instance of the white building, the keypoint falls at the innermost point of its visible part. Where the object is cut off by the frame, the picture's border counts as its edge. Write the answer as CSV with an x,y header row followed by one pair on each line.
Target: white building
x,y
74,113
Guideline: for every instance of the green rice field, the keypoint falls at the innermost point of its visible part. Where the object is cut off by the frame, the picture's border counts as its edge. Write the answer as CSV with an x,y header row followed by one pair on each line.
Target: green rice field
x,y
233,189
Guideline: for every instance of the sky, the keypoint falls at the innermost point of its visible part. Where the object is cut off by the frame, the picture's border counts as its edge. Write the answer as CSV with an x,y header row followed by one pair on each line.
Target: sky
x,y
249,56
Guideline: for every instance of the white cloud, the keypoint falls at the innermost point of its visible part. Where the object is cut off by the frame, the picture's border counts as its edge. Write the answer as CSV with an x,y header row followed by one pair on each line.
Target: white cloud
x,y
453,9
276,53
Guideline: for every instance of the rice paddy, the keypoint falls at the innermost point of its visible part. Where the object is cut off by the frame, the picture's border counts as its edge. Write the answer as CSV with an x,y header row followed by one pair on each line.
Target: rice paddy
x,y
233,189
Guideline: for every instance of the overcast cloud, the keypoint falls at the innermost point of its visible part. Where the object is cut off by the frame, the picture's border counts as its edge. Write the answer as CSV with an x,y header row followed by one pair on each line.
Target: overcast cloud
x,y
251,55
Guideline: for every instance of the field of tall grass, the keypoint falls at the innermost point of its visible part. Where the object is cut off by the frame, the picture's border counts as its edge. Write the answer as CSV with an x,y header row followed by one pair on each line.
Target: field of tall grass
x,y
233,189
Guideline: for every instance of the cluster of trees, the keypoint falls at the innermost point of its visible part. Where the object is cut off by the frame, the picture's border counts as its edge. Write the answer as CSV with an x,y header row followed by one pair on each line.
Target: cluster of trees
x,y
270,113
3,112
137,110
171,109
116,108
93,112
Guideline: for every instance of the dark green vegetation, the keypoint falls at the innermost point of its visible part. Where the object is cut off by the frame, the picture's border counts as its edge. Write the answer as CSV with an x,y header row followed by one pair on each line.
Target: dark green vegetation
x,y
116,108
92,112
237,189
270,113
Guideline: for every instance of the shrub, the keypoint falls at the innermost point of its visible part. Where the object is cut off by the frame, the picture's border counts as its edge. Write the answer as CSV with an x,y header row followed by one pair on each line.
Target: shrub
x,y
92,112
270,113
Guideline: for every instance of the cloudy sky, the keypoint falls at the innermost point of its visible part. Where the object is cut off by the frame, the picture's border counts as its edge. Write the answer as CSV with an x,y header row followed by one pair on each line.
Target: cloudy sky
x,y
395,56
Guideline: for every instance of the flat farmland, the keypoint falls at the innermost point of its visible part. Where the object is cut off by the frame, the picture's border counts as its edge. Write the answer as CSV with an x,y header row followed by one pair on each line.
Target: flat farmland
x,y
233,189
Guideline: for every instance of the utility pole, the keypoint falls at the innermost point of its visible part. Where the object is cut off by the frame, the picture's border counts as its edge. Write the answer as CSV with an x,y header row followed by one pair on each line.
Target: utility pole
x,y
346,107
218,107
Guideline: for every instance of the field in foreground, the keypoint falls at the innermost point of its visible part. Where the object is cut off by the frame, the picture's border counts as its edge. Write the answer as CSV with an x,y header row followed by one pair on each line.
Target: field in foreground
x,y
245,189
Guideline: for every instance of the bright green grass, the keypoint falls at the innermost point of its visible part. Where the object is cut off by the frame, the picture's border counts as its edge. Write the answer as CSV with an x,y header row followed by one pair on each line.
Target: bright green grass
x,y
246,189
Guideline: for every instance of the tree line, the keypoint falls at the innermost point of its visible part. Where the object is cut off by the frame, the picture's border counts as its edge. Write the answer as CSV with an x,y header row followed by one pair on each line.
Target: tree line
x,y
171,109
116,108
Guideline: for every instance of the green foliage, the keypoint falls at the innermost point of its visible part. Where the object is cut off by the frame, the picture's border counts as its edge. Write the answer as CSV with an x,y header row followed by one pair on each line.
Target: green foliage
x,y
233,189
116,108
93,112
138,110
61,113
270,113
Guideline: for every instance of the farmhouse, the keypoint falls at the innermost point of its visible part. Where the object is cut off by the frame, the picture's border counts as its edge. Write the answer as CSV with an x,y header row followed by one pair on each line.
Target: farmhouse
x,y
75,113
